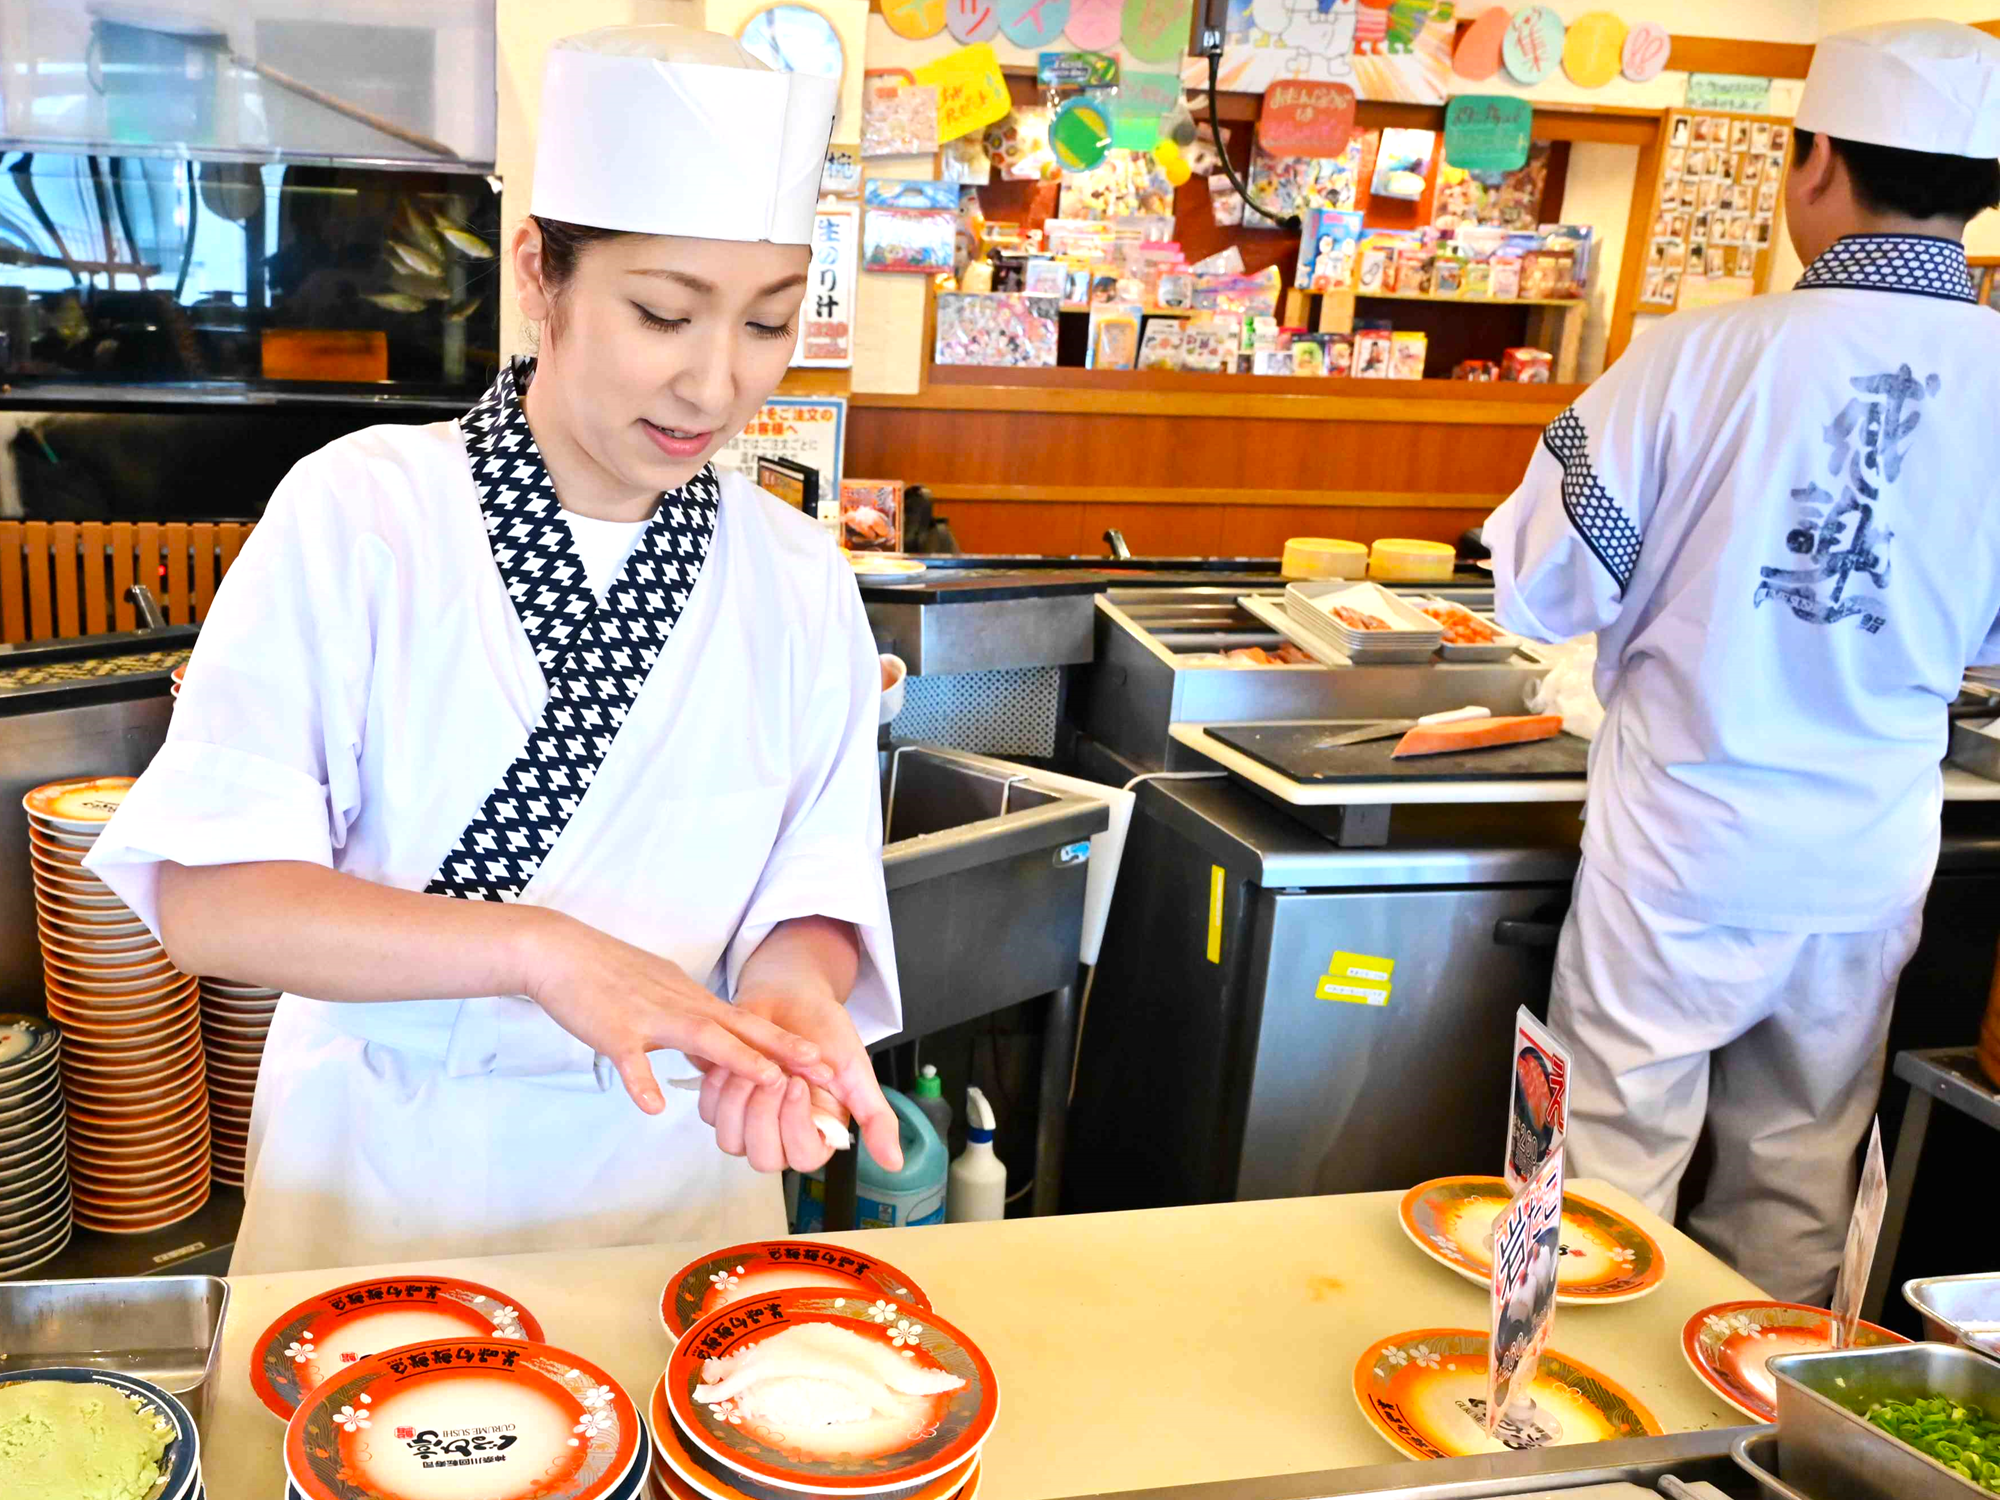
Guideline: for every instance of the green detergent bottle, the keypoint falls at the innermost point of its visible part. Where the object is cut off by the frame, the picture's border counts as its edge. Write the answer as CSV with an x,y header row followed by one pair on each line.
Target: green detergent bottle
x,y
883,1199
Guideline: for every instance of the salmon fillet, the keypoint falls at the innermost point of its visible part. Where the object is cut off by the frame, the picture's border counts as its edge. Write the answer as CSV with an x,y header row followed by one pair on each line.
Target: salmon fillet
x,y
1478,734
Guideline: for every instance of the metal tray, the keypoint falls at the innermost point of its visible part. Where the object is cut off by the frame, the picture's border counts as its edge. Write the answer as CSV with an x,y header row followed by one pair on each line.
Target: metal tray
x,y
165,1329
1959,1309
1756,1454
1828,1449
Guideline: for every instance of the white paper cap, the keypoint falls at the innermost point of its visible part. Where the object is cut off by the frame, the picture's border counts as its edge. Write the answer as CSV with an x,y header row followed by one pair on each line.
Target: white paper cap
x,y
1921,85
669,130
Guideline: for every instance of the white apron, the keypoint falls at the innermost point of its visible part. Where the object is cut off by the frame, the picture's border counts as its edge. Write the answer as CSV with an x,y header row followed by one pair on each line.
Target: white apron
x,y
366,696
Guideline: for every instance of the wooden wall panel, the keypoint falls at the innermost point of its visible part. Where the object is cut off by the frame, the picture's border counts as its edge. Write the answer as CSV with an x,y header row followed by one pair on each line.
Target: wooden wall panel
x,y
1024,527
1156,530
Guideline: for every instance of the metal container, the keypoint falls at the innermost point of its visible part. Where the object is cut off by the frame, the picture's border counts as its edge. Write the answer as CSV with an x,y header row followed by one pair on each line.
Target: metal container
x,y
162,1329
1828,1449
1959,1309
1756,1454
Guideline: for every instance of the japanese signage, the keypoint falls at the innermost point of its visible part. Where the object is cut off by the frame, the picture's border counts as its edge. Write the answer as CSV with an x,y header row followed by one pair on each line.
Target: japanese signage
x,y
841,176
810,430
1840,543
826,321
1527,1250
1076,70
1032,23
1156,31
1306,117
1486,132
971,91
1644,55
1734,92
1538,1116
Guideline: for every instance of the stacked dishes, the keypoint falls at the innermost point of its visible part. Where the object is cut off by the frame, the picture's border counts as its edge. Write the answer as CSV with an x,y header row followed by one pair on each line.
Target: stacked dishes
x,y
121,1424
1363,621
460,1416
815,1371
34,1171
131,1063
235,1020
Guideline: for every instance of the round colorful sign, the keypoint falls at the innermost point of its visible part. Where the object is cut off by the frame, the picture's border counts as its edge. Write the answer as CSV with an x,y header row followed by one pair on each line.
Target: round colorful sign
x,y
1594,50
701,1286
1032,23
915,19
972,21
1093,24
1644,55
1079,135
408,1424
1156,31
1731,1346
1477,56
1533,44
1605,1256
1425,1391
916,1432
324,1335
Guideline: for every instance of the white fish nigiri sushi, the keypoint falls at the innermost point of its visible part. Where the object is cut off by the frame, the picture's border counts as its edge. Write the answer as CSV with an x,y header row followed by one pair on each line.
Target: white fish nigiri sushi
x,y
821,1374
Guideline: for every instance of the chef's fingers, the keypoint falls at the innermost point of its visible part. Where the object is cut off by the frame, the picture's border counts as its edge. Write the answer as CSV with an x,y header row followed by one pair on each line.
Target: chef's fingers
x,y
729,1114
637,1073
763,1143
712,1083
716,1041
806,1149
789,1049
876,1123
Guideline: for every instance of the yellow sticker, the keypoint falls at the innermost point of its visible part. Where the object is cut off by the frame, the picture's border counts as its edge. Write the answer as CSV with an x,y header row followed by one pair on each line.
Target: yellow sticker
x,y
1357,979
1215,914
1594,49
972,91
915,19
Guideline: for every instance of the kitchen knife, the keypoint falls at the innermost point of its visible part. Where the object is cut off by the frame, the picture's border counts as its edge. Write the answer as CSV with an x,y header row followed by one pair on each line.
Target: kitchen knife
x,y
1389,728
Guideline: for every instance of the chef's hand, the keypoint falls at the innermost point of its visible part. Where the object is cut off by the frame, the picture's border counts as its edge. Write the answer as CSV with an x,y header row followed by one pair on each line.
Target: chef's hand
x,y
624,1002
771,1123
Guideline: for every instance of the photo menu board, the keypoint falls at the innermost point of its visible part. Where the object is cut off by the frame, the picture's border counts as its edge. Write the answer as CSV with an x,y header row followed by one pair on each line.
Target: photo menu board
x,y
1715,209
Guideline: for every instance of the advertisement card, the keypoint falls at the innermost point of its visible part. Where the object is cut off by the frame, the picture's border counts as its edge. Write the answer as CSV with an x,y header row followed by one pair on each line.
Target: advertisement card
x,y
1527,1250
1539,1117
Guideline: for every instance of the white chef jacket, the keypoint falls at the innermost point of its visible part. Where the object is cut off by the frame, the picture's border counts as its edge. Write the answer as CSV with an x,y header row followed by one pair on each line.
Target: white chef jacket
x,y
1779,517
360,686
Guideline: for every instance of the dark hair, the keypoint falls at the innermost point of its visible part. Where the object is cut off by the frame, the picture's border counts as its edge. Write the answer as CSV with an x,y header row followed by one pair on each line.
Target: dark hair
x,y
563,245
1919,184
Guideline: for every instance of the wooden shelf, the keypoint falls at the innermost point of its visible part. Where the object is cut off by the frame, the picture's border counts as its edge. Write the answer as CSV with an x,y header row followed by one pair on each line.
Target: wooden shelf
x,y
1464,301
1150,312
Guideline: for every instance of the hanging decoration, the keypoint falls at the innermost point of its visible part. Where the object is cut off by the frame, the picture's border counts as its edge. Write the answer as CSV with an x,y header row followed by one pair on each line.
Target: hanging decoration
x,y
972,20
1080,135
1304,118
1032,24
1533,44
1157,30
1478,54
1594,50
916,19
1487,132
1094,24
971,90
1645,53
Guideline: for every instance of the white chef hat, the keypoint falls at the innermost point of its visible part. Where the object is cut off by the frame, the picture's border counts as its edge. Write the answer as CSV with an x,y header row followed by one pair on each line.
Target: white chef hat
x,y
670,130
1921,85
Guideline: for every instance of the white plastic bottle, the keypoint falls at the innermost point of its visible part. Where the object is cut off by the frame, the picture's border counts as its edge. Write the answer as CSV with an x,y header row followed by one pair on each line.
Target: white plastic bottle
x,y
978,1189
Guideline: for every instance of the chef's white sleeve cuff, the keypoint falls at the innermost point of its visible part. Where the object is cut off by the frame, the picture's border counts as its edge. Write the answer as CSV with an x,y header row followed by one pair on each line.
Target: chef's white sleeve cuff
x,y
202,804
875,1003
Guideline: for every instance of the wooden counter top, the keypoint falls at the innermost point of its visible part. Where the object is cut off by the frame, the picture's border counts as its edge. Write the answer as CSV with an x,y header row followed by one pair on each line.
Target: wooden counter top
x,y
1134,1350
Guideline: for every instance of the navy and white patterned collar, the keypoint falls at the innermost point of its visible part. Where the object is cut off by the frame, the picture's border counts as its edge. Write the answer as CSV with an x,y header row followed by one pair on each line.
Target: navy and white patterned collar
x,y
1921,265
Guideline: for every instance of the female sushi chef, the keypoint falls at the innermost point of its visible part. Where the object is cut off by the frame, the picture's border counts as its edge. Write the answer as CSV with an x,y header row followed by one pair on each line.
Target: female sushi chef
x,y
511,743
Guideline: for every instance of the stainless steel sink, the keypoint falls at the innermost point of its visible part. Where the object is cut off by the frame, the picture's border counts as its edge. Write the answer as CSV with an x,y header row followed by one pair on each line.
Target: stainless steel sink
x,y
986,876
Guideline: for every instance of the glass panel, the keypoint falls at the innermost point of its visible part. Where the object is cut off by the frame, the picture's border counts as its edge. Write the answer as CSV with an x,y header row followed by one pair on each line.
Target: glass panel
x,y
145,270
259,78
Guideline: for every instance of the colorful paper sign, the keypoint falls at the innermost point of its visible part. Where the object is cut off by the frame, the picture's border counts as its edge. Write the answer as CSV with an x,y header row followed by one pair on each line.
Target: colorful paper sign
x,y
1076,70
1488,132
1521,1304
826,319
809,430
971,90
915,19
1080,134
1477,56
972,20
1594,50
1157,30
1304,117
1032,23
1093,24
1644,56
1738,93
1538,1112
1141,101
1533,44
841,176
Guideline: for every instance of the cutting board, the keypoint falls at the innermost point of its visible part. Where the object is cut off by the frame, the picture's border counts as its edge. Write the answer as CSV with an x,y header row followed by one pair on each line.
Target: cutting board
x,y
1297,751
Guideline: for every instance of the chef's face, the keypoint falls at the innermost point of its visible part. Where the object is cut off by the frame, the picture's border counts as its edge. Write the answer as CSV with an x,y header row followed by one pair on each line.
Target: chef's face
x,y
660,349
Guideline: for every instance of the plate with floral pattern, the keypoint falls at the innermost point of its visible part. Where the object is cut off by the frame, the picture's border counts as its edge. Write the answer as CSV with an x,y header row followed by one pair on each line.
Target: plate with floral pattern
x,y
701,1286
453,1418
324,1335
1425,1391
936,1433
1605,1256
1731,1345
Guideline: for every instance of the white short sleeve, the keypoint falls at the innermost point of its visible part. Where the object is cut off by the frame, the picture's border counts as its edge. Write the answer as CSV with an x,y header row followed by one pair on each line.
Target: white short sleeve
x,y
827,861
261,761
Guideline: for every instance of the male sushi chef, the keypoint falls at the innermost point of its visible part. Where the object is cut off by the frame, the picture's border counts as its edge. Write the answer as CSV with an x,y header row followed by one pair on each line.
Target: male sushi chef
x,y
1779,517
528,751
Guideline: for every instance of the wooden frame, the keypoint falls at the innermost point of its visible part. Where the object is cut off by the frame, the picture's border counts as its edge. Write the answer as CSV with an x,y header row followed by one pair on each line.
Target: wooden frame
x,y
60,579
